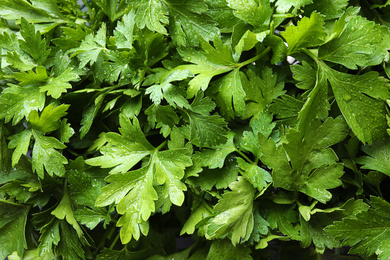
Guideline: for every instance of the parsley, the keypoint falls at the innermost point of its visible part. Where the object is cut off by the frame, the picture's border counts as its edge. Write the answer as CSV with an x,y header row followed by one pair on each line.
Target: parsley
x,y
125,125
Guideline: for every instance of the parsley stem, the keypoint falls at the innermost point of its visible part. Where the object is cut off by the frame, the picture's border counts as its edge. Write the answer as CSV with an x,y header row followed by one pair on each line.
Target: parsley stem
x,y
115,241
158,148
257,57
243,155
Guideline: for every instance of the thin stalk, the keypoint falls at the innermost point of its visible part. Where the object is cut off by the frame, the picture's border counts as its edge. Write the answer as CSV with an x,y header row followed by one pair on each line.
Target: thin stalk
x,y
257,57
115,241
243,155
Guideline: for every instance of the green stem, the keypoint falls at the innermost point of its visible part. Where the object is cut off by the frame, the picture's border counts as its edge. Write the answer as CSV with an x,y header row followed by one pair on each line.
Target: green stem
x,y
257,57
158,148
243,155
283,15
115,241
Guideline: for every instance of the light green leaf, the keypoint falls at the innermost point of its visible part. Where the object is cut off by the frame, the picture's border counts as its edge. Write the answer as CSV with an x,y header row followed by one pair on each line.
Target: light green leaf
x,y
207,64
64,211
17,102
124,31
39,76
283,6
49,119
21,142
150,13
198,214
309,32
66,131
257,176
91,47
316,104
55,86
134,195
234,214
37,12
256,13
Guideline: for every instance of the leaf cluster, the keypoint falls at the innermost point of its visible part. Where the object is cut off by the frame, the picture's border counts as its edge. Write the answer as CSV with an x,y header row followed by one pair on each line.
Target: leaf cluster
x,y
128,125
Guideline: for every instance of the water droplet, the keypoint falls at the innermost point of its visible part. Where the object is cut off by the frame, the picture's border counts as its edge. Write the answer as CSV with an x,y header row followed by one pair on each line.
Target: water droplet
x,y
347,97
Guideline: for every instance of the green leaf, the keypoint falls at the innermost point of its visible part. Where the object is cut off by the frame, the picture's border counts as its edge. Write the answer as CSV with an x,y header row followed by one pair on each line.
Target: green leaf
x,y
366,232
361,99
66,132
55,86
305,74
310,166
13,218
206,179
361,43
316,104
64,211
283,6
21,142
206,131
223,249
134,191
209,63
69,237
37,12
234,214
163,117
256,13
112,8
91,47
15,55
330,8
89,114
377,157
31,77
124,31
33,43
123,151
197,215
49,119
257,176
17,102
215,157
284,217
45,155
230,93
90,218
150,13
261,90
190,22
309,32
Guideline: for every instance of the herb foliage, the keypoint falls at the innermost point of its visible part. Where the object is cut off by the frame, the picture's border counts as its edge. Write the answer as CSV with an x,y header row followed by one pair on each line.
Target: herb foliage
x,y
126,124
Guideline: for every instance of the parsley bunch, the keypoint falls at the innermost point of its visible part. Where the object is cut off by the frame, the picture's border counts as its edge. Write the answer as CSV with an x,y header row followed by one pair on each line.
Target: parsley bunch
x,y
247,125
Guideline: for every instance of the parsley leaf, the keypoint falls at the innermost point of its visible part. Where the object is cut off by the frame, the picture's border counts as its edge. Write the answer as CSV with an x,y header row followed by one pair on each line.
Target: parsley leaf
x,y
12,228
366,232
